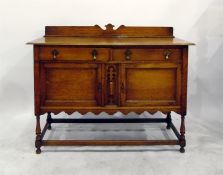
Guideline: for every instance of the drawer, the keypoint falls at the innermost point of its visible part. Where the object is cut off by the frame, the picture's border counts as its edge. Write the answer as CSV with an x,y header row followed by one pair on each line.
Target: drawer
x,y
147,54
73,53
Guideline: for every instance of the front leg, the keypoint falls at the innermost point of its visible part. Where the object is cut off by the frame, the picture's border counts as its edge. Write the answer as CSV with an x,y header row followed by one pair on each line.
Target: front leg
x,y
182,139
38,142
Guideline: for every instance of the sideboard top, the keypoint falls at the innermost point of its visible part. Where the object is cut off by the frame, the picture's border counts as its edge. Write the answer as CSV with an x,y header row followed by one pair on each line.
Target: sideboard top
x,y
95,35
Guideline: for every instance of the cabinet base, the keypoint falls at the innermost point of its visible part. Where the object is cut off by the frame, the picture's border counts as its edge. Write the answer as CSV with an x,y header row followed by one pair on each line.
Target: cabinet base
x,y
110,142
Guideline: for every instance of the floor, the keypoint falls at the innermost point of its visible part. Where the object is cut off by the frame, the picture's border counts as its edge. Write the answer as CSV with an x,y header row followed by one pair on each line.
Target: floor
x,y
204,151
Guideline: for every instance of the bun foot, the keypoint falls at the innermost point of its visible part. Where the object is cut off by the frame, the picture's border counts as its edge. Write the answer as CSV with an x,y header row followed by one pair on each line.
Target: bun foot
x,y
38,151
182,150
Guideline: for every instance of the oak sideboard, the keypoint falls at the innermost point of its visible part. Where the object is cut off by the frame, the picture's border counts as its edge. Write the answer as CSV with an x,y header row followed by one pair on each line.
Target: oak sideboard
x,y
128,69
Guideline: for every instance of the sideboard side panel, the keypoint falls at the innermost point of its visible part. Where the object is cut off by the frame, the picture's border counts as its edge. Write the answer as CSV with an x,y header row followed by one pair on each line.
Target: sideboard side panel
x,y
184,81
36,81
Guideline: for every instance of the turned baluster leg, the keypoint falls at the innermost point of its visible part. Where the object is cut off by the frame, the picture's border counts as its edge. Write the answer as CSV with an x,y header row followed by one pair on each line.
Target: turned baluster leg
x,y
182,140
38,141
168,120
49,120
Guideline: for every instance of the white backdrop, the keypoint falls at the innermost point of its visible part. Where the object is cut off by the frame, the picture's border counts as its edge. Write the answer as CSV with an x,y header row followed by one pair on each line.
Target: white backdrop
x,y
199,21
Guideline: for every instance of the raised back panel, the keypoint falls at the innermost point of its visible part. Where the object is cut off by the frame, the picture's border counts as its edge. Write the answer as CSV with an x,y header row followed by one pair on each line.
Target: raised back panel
x,y
121,31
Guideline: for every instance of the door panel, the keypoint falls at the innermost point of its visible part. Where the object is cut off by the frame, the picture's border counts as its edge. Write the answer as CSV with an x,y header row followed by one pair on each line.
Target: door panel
x,y
71,84
150,84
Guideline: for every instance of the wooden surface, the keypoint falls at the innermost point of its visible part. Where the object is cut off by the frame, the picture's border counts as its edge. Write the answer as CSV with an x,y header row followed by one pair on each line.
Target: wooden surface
x,y
147,54
108,142
131,69
151,84
72,53
109,31
95,35
97,41
110,109
72,72
60,89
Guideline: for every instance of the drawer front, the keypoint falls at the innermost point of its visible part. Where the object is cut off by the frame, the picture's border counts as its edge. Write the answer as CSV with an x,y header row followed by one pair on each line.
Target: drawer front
x,y
73,53
147,54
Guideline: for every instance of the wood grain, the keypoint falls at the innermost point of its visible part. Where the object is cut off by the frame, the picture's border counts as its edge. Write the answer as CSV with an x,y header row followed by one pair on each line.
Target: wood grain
x,y
97,31
86,41
147,54
108,142
73,53
129,69
60,88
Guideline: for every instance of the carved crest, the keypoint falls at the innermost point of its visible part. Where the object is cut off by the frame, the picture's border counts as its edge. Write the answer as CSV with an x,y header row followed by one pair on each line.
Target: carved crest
x,y
109,27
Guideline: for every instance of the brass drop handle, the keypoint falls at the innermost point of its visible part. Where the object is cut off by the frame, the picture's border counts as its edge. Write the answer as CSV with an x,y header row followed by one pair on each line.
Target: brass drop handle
x,y
94,54
167,54
54,53
128,54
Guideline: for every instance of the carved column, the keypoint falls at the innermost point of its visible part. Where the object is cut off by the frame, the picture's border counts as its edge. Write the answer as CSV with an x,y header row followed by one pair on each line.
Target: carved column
x,y
111,84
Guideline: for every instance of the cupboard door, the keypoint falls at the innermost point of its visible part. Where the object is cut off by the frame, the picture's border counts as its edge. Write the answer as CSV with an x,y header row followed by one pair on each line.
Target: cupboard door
x,y
70,84
150,84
